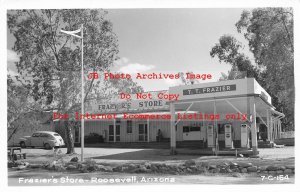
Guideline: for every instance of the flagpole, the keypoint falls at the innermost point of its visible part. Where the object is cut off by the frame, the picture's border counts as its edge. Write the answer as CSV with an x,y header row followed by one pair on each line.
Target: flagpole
x,y
82,96
73,33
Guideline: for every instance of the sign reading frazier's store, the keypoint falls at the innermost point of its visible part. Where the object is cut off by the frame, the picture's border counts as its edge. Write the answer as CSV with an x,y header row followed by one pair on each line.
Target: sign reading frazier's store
x,y
212,89
132,105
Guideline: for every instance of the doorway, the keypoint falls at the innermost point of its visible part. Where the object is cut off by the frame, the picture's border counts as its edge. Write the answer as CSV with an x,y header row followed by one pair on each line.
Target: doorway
x,y
143,132
111,133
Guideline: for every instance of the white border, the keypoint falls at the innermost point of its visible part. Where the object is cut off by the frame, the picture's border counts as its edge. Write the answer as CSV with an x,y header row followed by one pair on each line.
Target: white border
x,y
58,4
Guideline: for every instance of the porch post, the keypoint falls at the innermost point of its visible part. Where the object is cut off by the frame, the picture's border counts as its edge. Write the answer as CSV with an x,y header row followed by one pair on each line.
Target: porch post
x,y
268,124
114,130
148,130
216,128
280,129
172,129
253,125
276,132
271,130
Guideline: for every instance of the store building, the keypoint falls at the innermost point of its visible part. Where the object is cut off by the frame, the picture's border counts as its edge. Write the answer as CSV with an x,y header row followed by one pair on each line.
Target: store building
x,y
223,115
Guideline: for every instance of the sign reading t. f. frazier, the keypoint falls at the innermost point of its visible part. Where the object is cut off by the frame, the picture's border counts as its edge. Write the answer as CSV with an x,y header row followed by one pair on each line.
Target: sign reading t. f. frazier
x,y
213,89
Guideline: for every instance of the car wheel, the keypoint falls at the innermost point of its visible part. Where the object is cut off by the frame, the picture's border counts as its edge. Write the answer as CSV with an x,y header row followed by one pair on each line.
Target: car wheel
x,y
22,144
47,146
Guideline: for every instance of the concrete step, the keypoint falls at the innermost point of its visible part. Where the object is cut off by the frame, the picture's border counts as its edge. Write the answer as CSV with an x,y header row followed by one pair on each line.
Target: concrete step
x,y
266,144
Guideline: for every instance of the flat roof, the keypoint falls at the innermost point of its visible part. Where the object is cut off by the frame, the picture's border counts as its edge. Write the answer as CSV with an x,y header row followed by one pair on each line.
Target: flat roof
x,y
238,89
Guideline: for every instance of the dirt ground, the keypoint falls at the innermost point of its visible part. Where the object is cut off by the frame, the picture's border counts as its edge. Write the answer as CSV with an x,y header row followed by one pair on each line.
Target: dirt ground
x,y
113,157
116,156
152,154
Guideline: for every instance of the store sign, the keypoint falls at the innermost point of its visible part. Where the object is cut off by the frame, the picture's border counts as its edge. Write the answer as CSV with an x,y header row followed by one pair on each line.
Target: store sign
x,y
113,106
135,103
131,105
213,89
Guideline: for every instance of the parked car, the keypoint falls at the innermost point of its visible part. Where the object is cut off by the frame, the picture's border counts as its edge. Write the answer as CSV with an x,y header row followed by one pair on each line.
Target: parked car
x,y
46,139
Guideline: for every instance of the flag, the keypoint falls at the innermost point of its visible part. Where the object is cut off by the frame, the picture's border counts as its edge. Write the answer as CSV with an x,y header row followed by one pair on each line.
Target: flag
x,y
72,32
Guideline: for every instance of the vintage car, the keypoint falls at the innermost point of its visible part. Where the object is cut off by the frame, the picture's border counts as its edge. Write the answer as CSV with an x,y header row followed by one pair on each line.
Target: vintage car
x,y
46,139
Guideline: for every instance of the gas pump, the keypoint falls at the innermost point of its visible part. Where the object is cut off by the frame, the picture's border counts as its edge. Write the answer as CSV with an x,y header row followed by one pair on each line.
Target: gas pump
x,y
210,136
228,136
244,136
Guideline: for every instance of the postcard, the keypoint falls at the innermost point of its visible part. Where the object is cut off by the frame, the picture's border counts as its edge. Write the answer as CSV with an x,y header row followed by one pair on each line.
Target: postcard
x,y
140,95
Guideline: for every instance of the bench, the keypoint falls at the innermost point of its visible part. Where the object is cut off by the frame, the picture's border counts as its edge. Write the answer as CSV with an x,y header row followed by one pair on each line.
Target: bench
x,y
15,153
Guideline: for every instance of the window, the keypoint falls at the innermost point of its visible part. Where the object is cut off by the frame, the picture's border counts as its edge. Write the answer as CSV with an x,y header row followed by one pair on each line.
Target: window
x,y
129,126
141,129
186,129
118,138
118,120
143,132
36,135
195,129
44,135
111,133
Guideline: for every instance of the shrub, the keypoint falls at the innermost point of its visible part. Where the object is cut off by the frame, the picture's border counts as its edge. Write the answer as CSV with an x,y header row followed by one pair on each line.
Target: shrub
x,y
93,138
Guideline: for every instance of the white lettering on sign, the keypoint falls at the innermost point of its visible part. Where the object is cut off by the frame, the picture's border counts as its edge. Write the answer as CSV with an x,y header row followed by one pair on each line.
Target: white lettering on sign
x,y
214,89
132,105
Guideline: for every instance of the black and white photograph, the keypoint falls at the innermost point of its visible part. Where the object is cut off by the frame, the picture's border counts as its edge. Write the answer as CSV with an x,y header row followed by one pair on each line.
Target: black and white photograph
x,y
128,96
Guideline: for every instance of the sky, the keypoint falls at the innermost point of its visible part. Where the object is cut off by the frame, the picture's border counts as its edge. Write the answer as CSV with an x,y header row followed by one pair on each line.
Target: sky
x,y
167,41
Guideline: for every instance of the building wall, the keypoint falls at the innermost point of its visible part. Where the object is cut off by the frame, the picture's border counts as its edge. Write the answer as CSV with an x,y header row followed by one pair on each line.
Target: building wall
x,y
164,127
102,128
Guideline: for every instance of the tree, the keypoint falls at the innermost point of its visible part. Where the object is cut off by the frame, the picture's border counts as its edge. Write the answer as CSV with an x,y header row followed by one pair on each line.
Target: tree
x,y
269,32
49,65
229,51
23,114
18,107
185,81
232,74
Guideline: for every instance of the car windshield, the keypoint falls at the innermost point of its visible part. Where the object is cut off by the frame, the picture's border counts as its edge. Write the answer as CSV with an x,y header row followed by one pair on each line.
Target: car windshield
x,y
55,134
44,135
